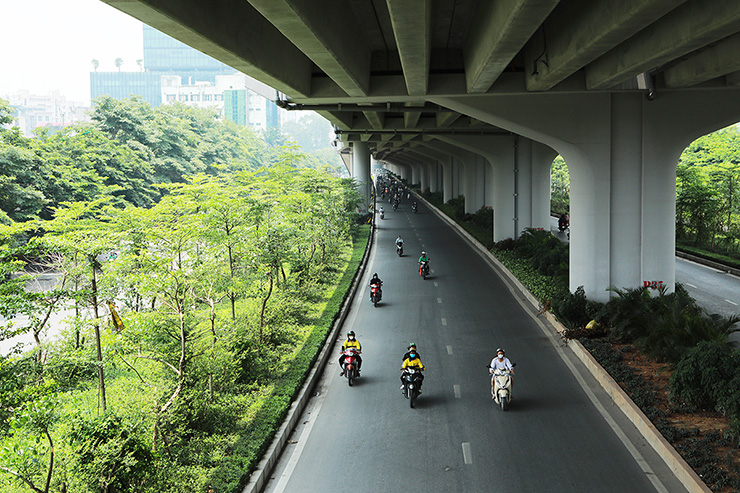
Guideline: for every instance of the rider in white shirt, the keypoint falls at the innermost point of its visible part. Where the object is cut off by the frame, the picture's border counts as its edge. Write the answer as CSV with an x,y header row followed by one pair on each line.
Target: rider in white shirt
x,y
500,362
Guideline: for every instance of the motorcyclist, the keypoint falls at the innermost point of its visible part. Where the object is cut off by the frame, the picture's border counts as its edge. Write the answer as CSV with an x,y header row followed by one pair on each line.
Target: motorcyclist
x,y
412,347
375,281
382,211
500,362
413,361
351,342
399,242
423,259
563,222
414,206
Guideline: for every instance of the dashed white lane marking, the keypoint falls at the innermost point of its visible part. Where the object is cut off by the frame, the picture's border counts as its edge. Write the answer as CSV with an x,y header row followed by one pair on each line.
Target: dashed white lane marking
x,y
439,300
449,349
467,454
691,285
731,302
435,284
444,322
456,388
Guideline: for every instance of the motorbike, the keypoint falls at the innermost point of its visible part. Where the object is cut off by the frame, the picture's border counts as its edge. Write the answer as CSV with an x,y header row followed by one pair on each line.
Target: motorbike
x,y
395,206
376,294
382,214
501,391
399,249
350,364
424,270
563,224
414,207
410,384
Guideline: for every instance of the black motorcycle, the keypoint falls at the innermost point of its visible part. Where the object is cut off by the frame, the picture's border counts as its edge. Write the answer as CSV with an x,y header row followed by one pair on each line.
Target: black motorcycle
x,y
411,378
424,270
399,249
414,207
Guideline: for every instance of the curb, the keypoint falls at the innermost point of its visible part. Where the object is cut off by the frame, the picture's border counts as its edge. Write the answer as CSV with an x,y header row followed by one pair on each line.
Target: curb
x,y
662,447
708,263
260,475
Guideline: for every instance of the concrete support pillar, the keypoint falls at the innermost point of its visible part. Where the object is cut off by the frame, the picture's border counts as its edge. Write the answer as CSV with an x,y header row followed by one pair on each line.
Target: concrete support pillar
x,y
361,172
622,150
415,174
433,179
447,169
522,185
470,188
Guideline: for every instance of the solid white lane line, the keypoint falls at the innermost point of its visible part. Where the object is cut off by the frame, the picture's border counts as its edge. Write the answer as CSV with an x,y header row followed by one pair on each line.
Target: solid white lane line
x,y
449,350
467,454
444,322
691,285
439,300
456,388
731,302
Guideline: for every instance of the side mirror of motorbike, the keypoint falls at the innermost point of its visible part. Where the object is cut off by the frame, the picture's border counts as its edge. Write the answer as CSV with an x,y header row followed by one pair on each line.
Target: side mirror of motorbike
x,y
513,365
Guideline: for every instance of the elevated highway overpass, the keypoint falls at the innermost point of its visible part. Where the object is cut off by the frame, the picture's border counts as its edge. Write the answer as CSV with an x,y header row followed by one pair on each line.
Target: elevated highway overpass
x,y
475,98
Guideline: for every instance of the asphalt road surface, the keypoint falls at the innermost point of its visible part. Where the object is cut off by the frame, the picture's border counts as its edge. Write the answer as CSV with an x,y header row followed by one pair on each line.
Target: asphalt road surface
x,y
561,433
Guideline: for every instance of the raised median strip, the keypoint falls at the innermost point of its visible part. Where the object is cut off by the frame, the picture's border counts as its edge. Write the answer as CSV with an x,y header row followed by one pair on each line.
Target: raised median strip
x,y
670,456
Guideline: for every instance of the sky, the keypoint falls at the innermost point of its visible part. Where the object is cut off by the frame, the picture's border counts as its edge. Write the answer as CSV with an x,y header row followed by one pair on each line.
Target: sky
x,y
48,45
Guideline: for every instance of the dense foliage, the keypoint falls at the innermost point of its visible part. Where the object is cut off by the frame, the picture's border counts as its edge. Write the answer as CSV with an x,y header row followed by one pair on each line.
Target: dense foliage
x,y
200,288
559,187
708,192
225,288
127,150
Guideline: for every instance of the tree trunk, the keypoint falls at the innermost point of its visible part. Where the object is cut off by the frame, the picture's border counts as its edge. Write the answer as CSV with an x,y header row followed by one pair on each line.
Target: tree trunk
x,y
262,311
101,375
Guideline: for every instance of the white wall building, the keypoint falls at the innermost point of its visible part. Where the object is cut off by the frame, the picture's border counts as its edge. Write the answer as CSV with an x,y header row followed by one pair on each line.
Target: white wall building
x,y
50,110
203,94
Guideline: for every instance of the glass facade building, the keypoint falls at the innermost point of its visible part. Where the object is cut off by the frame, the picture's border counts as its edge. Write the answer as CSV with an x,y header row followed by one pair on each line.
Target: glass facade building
x,y
120,85
163,55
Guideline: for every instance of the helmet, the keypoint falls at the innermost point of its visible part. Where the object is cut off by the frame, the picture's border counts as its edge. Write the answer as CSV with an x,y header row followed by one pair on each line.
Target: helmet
x,y
423,253
375,275
499,350
351,333
411,345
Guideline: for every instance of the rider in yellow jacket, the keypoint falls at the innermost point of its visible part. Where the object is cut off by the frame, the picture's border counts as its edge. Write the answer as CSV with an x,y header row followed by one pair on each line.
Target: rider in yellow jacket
x,y
413,361
351,342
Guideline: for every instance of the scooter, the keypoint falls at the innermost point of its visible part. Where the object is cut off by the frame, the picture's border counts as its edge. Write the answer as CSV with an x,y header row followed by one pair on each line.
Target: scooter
x,y
399,249
395,206
376,294
501,390
414,207
350,364
382,213
424,270
411,384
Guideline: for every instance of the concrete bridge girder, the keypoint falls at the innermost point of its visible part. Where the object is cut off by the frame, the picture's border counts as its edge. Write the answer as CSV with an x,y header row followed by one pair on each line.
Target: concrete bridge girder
x,y
622,150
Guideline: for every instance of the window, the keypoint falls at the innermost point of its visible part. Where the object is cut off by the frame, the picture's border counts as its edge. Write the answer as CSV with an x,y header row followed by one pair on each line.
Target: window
x,y
183,97
207,97
195,97
170,98
219,97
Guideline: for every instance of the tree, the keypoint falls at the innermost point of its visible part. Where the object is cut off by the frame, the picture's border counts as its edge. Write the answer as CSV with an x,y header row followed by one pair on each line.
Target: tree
x,y
119,62
23,453
95,64
78,236
559,187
